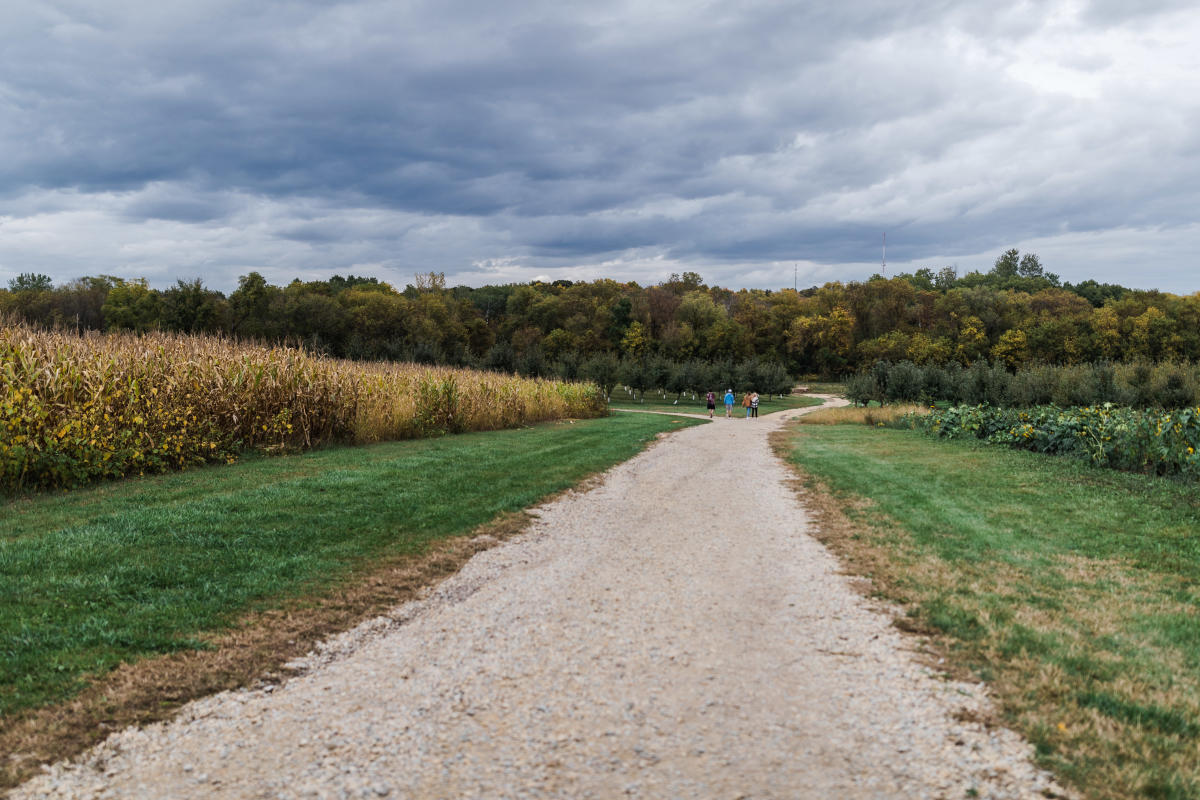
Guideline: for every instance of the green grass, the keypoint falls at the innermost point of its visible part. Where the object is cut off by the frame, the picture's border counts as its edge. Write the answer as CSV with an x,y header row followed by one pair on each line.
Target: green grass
x,y
1073,590
95,577
654,401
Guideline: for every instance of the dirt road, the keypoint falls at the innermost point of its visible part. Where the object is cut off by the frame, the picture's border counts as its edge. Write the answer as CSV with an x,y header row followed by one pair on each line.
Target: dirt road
x,y
672,632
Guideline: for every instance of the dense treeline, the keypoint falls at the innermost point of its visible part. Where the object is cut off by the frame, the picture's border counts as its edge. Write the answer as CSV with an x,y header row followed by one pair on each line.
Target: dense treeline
x,y
1014,314
1139,384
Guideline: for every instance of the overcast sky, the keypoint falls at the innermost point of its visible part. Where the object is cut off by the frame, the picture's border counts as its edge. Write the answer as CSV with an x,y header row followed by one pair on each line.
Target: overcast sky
x,y
503,141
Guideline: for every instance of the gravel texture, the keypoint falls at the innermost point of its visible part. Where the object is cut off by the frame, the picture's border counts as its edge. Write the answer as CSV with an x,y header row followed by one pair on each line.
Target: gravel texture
x,y
672,632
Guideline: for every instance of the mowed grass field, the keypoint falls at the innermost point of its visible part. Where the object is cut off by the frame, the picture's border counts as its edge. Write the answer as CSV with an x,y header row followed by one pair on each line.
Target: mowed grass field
x,y
1072,590
137,568
655,401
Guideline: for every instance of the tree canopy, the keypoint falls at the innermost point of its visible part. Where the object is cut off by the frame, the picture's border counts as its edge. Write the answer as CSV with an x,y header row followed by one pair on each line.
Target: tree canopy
x,y
1016,313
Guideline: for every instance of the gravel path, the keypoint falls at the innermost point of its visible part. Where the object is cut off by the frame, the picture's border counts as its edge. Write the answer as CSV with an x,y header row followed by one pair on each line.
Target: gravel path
x,y
672,632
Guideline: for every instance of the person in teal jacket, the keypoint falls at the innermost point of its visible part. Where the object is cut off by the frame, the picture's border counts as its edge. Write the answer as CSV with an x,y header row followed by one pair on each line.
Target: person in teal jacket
x,y
729,403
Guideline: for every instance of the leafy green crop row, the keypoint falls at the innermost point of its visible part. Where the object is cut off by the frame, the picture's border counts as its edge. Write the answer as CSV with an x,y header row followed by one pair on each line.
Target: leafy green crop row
x,y
1156,442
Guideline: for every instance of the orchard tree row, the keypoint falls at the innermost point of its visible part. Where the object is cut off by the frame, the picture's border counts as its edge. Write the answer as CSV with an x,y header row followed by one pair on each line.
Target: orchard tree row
x,y
1016,313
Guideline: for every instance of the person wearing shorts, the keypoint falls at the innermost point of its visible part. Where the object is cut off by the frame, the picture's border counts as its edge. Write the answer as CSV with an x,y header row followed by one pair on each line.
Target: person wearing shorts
x,y
711,399
729,404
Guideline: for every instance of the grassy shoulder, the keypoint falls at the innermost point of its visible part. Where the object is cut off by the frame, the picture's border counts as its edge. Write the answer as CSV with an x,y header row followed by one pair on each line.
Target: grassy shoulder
x,y
135,569
1072,591
656,401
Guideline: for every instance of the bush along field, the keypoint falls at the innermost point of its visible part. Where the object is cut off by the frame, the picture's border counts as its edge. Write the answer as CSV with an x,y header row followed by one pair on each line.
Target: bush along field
x,y
1154,442
76,409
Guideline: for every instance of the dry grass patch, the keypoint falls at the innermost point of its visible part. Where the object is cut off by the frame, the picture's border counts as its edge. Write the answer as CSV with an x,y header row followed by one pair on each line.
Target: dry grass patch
x,y
854,415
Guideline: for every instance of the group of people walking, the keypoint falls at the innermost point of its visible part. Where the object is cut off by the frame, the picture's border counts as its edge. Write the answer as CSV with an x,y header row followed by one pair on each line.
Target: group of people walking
x,y
749,402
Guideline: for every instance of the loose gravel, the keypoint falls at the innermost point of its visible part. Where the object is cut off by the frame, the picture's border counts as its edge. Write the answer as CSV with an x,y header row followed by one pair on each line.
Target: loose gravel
x,y
672,632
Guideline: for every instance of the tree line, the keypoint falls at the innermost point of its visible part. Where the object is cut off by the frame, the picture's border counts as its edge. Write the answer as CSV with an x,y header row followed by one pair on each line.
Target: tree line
x,y
1014,314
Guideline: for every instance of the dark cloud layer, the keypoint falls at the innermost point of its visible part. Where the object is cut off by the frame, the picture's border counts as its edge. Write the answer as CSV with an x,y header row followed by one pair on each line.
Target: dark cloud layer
x,y
507,140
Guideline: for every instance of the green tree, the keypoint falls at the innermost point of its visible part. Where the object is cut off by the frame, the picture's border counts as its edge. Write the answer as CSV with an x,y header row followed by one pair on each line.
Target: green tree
x,y
190,308
1007,265
699,311
30,282
250,307
80,303
312,317
1030,266
32,298
946,278
131,306
601,369
621,313
558,343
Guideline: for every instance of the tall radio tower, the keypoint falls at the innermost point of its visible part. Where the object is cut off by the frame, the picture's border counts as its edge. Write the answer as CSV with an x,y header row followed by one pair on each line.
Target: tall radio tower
x,y
884,264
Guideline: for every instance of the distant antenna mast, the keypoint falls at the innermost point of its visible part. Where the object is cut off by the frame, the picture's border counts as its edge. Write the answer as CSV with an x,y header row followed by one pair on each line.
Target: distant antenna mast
x,y
884,264
795,277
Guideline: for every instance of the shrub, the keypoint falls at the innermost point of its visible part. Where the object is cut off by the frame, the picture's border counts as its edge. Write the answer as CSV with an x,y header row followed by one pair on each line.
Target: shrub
x,y
1138,390
1172,389
1075,386
983,383
881,371
1105,383
942,382
906,383
602,369
774,379
861,388
1140,385
1032,387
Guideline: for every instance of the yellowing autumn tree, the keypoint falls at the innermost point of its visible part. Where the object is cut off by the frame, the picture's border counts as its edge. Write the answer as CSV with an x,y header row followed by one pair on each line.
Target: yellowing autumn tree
x,y
1012,349
972,343
635,341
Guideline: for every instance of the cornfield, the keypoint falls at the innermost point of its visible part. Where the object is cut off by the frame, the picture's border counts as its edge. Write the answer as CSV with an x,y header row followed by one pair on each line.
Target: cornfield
x,y
76,409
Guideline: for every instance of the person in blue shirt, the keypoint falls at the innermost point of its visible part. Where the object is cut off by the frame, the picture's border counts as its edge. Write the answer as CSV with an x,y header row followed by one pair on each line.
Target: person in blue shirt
x,y
729,403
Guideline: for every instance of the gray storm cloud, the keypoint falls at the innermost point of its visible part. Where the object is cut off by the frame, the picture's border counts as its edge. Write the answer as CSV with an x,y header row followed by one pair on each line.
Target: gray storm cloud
x,y
502,141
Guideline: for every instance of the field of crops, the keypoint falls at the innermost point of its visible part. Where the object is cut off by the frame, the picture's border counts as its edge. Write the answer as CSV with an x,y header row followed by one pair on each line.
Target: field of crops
x,y
75,409
1155,442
